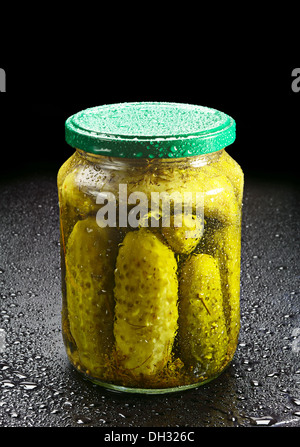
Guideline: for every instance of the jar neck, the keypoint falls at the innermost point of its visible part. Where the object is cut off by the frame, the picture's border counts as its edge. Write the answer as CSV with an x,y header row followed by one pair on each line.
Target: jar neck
x,y
123,163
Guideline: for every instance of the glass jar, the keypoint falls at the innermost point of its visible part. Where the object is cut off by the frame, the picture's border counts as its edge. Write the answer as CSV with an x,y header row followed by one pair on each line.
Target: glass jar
x,y
150,219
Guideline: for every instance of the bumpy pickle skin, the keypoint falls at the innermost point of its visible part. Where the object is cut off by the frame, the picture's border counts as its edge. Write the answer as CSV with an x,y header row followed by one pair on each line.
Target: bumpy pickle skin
x,y
90,261
183,239
226,247
202,334
146,313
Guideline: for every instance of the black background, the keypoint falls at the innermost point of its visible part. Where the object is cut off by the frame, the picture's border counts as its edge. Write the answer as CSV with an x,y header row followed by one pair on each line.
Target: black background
x,y
247,75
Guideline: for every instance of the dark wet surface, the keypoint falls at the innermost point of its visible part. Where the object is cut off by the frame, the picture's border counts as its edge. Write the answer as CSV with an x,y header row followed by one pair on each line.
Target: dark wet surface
x,y
39,388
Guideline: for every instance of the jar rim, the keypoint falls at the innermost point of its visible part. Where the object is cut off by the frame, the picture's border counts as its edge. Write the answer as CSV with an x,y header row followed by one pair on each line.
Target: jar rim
x,y
150,130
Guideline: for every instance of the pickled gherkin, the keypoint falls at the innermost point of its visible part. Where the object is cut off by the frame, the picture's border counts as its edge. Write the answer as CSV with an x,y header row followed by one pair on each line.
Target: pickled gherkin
x,y
65,169
202,334
233,172
74,204
219,197
146,294
90,260
184,239
227,250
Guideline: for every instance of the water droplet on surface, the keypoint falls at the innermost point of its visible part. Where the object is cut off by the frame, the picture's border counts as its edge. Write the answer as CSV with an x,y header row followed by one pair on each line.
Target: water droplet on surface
x,y
83,420
42,406
14,414
7,383
28,385
255,382
3,367
19,375
263,421
296,401
67,404
273,374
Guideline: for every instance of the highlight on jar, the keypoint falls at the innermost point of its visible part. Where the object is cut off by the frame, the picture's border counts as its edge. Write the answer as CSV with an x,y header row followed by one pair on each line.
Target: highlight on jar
x,y
150,225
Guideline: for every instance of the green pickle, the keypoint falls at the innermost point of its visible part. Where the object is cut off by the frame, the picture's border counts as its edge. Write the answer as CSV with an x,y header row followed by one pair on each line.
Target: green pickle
x,y
226,247
233,172
203,340
146,297
185,238
90,260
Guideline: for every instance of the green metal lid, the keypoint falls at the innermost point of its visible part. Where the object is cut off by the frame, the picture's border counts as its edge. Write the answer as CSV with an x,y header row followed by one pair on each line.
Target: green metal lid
x,y
150,130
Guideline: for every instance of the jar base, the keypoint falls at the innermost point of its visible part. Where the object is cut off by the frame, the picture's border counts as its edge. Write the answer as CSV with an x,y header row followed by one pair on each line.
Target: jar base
x,y
136,390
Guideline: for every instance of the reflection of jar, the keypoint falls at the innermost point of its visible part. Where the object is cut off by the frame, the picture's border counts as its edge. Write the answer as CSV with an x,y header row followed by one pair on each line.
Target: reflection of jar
x,y
150,215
